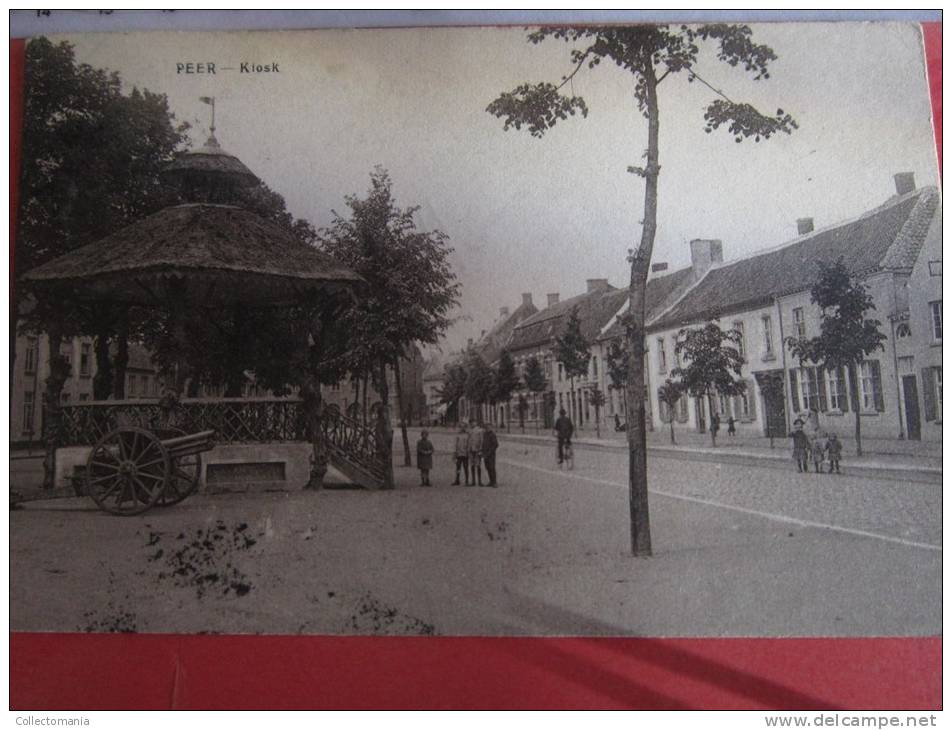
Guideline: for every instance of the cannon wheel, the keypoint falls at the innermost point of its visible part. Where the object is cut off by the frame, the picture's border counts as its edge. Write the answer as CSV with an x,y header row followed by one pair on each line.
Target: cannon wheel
x,y
184,477
127,471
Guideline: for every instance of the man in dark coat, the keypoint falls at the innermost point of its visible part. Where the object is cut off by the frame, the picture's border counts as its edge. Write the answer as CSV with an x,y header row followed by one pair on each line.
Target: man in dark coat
x,y
424,458
801,446
563,432
490,444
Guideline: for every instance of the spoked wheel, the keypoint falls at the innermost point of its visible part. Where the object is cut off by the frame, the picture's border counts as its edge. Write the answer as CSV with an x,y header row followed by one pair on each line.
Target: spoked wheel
x,y
127,471
184,477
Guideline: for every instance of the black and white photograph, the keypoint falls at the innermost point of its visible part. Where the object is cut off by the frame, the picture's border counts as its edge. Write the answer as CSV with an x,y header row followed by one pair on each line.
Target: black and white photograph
x,y
627,330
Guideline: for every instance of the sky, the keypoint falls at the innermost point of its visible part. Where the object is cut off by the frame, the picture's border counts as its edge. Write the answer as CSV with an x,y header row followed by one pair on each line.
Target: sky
x,y
543,215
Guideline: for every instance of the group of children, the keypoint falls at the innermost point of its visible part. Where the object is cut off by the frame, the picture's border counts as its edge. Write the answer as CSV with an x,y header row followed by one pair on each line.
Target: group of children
x,y
818,450
474,447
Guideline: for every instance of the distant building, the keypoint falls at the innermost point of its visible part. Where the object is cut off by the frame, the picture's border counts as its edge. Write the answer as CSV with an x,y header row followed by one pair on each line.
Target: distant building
x,y
895,250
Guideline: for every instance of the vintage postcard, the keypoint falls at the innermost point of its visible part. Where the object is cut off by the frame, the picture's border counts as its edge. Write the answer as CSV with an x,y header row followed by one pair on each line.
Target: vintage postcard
x,y
596,331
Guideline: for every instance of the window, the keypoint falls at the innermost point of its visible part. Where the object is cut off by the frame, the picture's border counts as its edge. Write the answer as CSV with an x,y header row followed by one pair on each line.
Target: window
x,y
677,354
662,356
724,405
683,409
594,368
741,345
767,326
743,404
936,320
799,324
870,386
935,268
66,350
937,381
902,331
29,357
808,389
84,353
133,382
83,397
560,372
836,385
28,410
64,397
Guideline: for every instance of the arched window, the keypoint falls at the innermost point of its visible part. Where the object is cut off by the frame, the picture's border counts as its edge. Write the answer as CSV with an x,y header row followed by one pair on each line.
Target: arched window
x,y
903,331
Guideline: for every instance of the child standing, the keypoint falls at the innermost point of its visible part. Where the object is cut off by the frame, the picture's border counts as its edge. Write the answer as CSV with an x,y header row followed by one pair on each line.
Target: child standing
x,y
818,450
424,458
834,448
801,446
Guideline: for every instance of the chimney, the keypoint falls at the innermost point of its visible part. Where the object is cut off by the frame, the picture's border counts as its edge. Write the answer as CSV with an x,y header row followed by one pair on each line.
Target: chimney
x,y
704,253
804,226
663,266
503,312
905,182
527,299
594,284
553,298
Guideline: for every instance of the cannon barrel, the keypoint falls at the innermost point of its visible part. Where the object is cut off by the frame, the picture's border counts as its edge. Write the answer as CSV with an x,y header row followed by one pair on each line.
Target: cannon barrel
x,y
190,444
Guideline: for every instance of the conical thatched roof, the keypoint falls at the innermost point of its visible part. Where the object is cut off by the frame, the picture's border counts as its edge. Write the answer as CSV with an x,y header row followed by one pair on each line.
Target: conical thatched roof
x,y
221,254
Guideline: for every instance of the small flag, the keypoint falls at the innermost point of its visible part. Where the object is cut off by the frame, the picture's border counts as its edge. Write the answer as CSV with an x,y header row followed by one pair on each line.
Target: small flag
x,y
207,99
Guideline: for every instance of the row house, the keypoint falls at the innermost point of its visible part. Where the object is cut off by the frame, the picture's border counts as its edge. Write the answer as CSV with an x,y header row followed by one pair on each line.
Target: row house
x,y
489,347
895,250
32,368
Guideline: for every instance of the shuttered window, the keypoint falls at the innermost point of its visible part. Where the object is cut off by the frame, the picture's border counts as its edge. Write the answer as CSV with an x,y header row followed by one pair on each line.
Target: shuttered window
x,y
932,393
794,390
871,386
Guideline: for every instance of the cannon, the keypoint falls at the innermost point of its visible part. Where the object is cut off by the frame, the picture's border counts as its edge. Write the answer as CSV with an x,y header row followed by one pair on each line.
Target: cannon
x,y
131,469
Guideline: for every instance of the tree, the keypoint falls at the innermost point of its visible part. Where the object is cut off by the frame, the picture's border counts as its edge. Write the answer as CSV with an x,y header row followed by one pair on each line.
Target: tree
x,y
597,399
479,382
669,394
505,381
454,387
713,360
534,379
616,359
651,55
847,336
411,288
522,405
571,349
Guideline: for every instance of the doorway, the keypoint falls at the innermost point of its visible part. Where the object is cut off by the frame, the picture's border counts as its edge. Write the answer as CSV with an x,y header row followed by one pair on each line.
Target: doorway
x,y
910,397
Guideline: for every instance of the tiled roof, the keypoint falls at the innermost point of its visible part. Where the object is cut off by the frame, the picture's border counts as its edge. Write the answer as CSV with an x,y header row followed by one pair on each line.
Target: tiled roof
x,y
657,296
888,237
595,309
490,345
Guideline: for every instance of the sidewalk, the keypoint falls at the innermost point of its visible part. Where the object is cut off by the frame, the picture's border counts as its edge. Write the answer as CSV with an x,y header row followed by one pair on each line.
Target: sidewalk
x,y
916,461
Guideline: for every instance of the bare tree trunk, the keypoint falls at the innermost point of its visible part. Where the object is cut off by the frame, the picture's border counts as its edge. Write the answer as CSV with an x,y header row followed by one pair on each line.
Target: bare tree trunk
x,y
122,356
52,409
598,422
103,380
401,408
313,405
854,395
365,400
671,424
383,425
635,340
710,420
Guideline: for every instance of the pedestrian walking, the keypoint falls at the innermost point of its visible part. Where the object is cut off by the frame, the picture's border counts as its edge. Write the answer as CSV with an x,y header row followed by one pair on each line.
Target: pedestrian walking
x,y
731,426
490,444
424,458
715,424
475,454
563,432
818,451
461,450
801,445
834,449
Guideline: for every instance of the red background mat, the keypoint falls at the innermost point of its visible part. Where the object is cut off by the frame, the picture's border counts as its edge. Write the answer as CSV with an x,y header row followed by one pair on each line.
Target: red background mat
x,y
159,671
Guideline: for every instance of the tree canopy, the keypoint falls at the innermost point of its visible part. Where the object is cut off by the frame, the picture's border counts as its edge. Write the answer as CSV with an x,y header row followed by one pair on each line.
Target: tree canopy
x,y
847,336
571,348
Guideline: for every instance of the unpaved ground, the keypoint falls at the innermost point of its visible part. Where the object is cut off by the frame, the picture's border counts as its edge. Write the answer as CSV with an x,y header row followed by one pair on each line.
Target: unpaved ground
x,y
546,553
